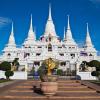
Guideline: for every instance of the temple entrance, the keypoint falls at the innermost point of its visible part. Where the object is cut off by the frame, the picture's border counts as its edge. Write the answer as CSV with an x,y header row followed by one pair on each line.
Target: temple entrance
x,y
30,70
33,69
69,71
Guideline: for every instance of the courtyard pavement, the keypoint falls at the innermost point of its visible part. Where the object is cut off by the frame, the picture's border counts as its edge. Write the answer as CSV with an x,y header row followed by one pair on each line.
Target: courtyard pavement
x,y
68,90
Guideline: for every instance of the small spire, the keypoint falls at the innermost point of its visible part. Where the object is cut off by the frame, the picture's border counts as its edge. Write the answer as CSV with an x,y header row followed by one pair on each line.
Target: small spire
x,y
88,39
31,26
31,35
68,27
50,17
11,38
68,35
12,29
64,33
87,29
88,35
88,43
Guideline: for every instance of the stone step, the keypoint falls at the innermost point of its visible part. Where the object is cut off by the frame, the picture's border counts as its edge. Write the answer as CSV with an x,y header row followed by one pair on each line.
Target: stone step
x,y
81,86
50,98
69,84
69,81
37,84
64,81
59,88
67,94
60,91
24,91
75,89
67,90
76,94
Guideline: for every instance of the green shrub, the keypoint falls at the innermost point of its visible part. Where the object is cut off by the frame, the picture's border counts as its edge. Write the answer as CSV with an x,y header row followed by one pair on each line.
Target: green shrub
x,y
95,73
98,68
94,63
8,74
59,72
5,66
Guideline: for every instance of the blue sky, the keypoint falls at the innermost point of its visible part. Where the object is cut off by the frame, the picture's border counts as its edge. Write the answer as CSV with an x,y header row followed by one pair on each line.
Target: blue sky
x,y
80,11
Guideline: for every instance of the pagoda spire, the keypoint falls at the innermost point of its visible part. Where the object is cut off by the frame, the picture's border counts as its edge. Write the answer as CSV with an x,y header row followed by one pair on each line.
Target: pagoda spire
x,y
50,28
11,38
64,33
31,26
31,33
68,27
88,42
50,17
68,35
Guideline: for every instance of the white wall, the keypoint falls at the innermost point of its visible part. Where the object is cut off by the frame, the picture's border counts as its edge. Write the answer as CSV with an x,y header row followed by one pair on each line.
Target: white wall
x,y
17,75
86,76
2,74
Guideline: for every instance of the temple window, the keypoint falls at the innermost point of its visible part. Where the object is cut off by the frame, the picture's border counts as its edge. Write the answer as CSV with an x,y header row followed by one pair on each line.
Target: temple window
x,y
37,63
63,63
17,54
49,47
39,47
26,54
59,47
73,47
72,55
38,54
49,38
61,54
90,54
9,54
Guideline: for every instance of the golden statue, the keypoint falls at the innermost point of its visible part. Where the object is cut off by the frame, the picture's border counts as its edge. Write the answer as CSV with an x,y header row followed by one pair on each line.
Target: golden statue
x,y
50,64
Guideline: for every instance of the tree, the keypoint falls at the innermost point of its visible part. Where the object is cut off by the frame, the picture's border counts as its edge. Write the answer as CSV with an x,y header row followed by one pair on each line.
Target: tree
x,y
94,63
5,66
42,69
15,64
95,73
59,72
8,74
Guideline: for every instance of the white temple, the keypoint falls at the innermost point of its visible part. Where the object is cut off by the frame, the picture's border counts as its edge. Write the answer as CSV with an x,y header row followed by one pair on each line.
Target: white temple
x,y
33,51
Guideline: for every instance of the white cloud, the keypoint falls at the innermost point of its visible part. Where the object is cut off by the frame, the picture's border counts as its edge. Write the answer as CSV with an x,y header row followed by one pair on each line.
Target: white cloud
x,y
95,1
4,21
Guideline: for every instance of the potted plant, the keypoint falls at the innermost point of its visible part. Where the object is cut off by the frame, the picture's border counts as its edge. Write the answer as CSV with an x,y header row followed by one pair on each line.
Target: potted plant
x,y
49,83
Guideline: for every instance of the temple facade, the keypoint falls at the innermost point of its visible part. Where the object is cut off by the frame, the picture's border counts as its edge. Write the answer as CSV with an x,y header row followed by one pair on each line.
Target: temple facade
x,y
33,52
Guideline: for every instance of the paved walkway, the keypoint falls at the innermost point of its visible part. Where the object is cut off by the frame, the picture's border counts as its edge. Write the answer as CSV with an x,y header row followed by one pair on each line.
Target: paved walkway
x,y
68,90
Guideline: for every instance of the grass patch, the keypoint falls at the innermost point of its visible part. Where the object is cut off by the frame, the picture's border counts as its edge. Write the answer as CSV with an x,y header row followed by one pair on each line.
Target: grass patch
x,y
96,82
2,81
